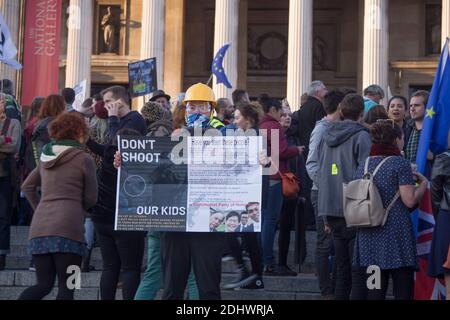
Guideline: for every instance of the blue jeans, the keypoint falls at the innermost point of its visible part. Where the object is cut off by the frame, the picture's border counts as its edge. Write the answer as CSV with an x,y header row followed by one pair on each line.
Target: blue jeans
x,y
152,281
270,214
89,233
5,214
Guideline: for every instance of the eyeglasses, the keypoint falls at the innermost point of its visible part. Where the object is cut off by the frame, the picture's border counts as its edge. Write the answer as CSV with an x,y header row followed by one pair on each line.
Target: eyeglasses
x,y
199,107
388,121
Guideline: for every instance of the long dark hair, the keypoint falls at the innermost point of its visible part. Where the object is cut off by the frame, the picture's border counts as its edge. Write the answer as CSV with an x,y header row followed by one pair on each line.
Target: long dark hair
x,y
405,102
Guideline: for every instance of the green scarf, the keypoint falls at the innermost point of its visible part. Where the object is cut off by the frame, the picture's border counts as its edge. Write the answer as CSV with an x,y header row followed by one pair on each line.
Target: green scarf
x,y
48,148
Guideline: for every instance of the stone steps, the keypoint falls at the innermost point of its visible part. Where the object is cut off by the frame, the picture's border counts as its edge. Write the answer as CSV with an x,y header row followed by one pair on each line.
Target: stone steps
x,y
302,287
87,294
19,258
16,277
22,263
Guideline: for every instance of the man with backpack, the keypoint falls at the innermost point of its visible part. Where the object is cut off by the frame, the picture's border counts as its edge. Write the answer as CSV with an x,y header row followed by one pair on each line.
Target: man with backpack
x,y
345,145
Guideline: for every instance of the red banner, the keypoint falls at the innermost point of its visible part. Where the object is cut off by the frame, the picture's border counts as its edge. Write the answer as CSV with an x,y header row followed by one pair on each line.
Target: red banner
x,y
42,40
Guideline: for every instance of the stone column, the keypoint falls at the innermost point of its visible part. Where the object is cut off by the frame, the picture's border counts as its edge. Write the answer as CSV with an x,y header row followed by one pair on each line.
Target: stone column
x,y
152,37
445,20
226,31
299,73
11,14
79,43
174,47
243,45
376,44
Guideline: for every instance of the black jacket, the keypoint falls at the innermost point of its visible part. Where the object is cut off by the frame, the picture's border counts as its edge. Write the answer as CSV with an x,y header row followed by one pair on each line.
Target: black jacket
x,y
306,118
105,209
440,182
408,126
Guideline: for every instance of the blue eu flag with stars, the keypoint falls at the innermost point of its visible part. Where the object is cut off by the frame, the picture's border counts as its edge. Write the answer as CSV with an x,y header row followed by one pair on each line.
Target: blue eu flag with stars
x,y
437,115
217,67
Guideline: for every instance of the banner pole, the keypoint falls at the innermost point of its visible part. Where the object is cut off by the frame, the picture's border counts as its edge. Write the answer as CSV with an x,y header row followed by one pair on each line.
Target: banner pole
x,y
210,79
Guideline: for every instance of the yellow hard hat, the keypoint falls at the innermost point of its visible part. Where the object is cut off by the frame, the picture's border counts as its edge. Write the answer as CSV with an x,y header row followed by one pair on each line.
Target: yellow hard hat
x,y
200,92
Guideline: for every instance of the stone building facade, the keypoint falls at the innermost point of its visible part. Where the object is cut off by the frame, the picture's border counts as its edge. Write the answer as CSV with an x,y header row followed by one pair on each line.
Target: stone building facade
x,y
278,46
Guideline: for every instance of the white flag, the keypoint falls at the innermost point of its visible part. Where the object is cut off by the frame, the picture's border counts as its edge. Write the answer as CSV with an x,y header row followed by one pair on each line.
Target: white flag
x,y
8,50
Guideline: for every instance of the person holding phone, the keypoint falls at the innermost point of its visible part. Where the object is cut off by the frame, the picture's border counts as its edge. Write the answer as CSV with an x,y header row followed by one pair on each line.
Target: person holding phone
x,y
120,116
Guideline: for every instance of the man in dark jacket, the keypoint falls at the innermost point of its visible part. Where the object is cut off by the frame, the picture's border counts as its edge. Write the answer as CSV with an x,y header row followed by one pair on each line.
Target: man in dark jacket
x,y
311,112
117,102
345,145
305,120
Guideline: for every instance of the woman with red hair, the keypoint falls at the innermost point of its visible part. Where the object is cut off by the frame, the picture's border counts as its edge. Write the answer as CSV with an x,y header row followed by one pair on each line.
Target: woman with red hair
x,y
66,178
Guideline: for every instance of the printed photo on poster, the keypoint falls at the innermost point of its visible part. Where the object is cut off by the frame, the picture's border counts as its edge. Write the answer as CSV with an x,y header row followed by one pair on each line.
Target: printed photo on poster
x,y
246,220
142,77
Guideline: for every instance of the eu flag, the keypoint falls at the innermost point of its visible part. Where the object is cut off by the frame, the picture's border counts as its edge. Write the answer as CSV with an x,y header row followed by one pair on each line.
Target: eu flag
x,y
437,116
217,67
433,137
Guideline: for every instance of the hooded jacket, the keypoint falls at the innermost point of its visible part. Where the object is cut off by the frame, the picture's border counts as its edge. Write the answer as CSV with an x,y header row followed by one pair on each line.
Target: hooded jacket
x,y
312,163
285,153
345,145
68,185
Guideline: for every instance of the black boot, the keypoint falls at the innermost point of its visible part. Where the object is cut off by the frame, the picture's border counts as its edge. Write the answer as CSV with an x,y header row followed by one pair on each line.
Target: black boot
x,y
242,276
2,262
85,267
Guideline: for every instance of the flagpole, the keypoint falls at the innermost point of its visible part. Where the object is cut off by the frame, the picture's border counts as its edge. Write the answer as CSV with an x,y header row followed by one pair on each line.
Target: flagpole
x,y
210,79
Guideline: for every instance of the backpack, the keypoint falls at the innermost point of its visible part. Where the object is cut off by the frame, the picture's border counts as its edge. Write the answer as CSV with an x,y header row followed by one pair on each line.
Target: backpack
x,y
363,206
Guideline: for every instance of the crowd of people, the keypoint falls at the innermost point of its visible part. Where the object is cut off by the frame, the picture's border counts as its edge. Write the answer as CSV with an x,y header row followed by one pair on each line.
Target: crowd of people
x,y
58,172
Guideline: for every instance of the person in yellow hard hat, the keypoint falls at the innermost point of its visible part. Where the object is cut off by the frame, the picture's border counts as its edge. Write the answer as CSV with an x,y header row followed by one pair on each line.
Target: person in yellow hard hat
x,y
200,102
200,106
182,251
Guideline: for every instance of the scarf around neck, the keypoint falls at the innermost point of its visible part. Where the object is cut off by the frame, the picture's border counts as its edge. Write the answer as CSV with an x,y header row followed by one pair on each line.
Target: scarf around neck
x,y
48,148
384,150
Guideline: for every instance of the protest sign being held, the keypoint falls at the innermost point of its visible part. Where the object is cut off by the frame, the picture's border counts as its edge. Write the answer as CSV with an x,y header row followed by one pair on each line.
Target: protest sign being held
x,y
220,192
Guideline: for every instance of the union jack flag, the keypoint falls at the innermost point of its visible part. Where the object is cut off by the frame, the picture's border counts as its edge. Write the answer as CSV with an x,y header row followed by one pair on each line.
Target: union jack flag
x,y
426,288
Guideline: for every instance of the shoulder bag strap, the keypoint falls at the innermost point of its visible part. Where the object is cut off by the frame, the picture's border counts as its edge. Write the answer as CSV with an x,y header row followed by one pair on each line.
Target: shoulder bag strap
x,y
397,195
379,166
366,166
